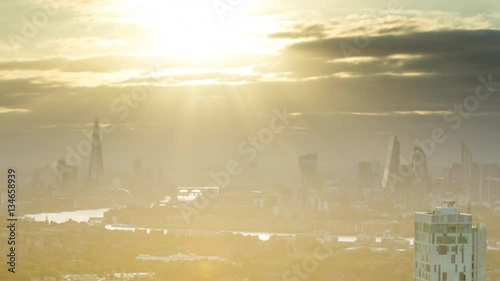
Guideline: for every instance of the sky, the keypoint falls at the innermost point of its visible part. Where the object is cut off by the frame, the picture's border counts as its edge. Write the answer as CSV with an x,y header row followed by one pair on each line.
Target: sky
x,y
182,84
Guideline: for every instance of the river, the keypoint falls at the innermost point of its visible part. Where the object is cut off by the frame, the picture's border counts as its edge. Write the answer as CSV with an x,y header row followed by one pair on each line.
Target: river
x,y
84,215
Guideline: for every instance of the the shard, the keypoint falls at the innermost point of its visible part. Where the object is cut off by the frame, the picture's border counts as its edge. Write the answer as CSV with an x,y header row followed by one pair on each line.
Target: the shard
x,y
96,169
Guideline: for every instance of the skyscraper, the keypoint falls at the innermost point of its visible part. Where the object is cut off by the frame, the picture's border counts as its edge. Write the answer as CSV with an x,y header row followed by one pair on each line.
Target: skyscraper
x,y
308,165
391,163
421,185
490,171
137,180
96,169
365,175
454,176
67,175
475,182
448,247
419,163
466,164
490,191
467,170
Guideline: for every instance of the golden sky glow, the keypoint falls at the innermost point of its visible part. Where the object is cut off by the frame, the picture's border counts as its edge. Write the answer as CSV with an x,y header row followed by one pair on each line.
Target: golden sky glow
x,y
232,62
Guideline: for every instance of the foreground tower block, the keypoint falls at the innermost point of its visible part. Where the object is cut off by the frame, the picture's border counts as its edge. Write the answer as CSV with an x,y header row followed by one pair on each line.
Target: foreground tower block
x,y
448,247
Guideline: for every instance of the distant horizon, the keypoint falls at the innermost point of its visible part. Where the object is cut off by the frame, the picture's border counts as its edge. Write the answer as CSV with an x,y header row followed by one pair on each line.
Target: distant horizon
x,y
183,84
288,173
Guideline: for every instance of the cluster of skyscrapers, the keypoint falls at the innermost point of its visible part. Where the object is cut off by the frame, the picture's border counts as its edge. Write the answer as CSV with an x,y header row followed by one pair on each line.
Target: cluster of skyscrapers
x,y
408,184
411,186
63,176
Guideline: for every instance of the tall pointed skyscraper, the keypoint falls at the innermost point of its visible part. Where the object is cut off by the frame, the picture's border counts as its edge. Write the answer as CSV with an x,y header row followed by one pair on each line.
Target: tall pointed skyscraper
x,y
96,169
391,168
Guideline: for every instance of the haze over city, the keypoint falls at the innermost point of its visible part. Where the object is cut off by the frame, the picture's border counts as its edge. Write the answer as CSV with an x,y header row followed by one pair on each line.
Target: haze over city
x,y
250,140
354,72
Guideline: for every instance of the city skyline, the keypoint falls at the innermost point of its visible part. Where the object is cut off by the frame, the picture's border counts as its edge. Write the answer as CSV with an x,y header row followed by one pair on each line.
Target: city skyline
x,y
89,162
349,76
245,140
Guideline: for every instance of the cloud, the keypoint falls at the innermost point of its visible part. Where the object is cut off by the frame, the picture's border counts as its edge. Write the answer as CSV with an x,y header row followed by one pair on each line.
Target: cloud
x,y
378,114
443,42
380,22
66,45
100,63
4,110
105,63
303,30
455,54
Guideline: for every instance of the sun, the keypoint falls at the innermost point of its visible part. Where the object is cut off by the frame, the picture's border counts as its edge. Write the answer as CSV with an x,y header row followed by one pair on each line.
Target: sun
x,y
189,29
